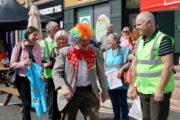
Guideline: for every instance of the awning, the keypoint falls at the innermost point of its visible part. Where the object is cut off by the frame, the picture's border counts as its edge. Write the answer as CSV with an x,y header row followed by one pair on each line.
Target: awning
x,y
14,16
159,5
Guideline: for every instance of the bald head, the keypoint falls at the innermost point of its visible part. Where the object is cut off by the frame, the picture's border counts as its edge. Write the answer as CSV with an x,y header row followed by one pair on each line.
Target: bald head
x,y
145,23
146,16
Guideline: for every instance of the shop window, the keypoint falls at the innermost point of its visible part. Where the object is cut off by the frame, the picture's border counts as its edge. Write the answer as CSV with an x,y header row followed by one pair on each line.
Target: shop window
x,y
132,4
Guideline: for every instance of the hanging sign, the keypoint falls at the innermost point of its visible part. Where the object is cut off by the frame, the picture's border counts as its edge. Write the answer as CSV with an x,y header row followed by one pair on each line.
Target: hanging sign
x,y
101,26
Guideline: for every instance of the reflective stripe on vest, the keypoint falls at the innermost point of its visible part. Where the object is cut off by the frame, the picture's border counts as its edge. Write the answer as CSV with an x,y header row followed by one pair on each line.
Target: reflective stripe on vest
x,y
149,74
48,53
114,65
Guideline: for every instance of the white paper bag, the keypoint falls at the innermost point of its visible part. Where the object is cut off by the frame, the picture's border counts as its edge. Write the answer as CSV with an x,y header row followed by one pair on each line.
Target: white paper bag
x,y
135,111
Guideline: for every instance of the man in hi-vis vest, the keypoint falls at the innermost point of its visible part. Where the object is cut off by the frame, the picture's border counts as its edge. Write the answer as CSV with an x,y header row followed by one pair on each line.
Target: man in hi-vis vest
x,y
47,46
154,69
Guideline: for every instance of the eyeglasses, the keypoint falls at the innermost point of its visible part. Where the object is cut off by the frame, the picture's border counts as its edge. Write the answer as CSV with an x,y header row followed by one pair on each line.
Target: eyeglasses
x,y
125,31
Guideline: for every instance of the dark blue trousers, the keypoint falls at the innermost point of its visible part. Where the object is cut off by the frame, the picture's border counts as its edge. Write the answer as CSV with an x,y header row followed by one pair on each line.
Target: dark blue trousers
x,y
119,103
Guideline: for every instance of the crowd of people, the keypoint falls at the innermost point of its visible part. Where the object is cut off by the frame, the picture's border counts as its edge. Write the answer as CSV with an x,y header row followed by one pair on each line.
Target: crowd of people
x,y
74,64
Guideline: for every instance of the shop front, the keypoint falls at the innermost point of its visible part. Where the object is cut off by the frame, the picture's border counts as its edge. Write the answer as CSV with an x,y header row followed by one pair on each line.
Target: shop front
x,y
54,9
98,13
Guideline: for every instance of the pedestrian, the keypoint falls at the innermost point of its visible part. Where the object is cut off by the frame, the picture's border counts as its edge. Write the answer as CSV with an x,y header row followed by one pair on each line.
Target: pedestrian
x,y
132,40
133,37
116,58
125,37
24,53
47,47
155,77
103,45
61,40
75,75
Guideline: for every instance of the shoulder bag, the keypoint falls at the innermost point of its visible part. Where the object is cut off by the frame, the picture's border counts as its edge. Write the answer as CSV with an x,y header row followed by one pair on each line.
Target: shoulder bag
x,y
12,74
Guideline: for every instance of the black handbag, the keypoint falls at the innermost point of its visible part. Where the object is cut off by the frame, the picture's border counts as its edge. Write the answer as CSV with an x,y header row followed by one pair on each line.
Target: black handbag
x,y
12,74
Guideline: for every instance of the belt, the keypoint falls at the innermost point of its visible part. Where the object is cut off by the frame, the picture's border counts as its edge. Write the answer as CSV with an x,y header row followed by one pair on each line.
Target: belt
x,y
84,87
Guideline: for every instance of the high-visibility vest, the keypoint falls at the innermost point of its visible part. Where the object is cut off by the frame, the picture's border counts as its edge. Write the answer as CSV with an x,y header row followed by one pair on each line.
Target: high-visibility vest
x,y
150,65
47,48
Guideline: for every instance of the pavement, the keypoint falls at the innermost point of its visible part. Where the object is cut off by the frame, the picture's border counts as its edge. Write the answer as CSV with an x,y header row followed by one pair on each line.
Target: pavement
x,y
12,110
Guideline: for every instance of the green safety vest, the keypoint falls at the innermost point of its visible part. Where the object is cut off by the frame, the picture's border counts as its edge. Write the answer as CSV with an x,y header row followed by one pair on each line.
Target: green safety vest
x,y
47,47
150,66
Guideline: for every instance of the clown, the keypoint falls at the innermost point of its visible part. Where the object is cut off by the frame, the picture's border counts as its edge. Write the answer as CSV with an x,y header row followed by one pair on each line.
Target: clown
x,y
75,75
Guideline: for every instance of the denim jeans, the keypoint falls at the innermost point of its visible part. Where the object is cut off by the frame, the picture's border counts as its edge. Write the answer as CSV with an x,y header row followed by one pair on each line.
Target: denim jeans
x,y
153,110
23,86
119,103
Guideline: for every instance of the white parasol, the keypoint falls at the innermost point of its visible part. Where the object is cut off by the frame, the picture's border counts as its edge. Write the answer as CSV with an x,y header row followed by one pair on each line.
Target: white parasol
x,y
34,20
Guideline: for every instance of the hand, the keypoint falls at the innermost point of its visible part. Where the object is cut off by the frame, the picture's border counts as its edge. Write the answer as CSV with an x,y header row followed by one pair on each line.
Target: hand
x,y
104,95
130,57
67,92
103,49
28,62
159,95
132,94
47,65
119,75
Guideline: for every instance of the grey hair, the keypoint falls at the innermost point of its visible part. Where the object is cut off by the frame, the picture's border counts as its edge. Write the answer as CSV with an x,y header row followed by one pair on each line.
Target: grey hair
x,y
50,25
58,34
116,36
147,16
110,25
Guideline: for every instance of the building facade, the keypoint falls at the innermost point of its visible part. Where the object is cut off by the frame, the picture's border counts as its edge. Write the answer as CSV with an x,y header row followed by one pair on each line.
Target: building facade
x,y
120,13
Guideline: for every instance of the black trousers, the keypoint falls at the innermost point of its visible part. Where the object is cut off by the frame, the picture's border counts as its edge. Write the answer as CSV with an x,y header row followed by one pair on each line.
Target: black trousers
x,y
53,112
23,86
153,110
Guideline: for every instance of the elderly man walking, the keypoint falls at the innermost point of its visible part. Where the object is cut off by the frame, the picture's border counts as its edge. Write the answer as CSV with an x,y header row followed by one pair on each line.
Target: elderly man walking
x,y
75,75
47,47
154,69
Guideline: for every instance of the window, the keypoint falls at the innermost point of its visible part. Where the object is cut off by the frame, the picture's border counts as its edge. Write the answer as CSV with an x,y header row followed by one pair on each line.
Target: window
x,y
132,4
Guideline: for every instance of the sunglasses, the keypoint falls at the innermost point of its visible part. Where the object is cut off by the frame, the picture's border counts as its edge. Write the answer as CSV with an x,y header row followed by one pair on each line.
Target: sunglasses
x,y
125,31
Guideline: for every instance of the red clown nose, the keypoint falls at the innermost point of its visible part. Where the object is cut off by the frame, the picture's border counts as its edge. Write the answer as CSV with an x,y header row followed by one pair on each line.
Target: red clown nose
x,y
36,38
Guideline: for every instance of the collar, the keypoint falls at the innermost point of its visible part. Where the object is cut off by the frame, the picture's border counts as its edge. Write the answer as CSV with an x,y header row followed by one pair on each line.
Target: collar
x,y
144,37
50,39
